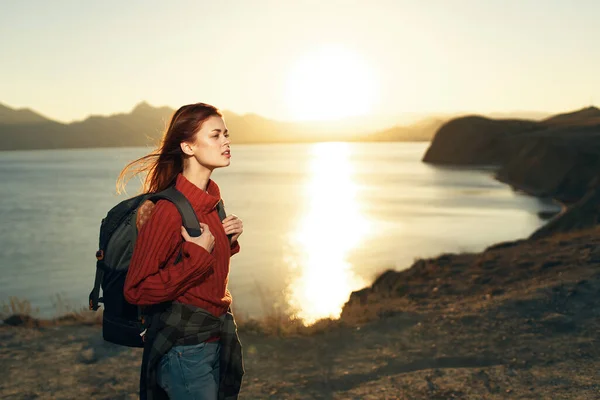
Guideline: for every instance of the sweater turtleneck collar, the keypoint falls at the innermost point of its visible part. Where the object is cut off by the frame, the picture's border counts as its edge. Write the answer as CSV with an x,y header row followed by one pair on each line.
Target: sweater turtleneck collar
x,y
200,199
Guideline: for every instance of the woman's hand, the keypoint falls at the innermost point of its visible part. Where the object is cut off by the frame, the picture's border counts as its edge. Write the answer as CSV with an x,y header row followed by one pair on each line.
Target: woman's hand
x,y
233,225
206,238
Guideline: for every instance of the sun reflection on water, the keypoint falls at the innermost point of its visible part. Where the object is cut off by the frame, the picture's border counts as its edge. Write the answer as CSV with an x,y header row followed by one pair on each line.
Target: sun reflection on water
x,y
330,228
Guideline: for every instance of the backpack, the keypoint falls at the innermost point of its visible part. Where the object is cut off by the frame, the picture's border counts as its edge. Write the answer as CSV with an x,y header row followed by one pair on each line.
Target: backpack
x,y
124,323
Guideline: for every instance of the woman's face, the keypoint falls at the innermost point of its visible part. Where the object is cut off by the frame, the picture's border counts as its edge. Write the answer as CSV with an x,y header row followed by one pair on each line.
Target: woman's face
x,y
211,147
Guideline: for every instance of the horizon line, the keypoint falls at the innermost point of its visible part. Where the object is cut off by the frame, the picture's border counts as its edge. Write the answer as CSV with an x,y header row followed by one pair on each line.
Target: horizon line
x,y
421,114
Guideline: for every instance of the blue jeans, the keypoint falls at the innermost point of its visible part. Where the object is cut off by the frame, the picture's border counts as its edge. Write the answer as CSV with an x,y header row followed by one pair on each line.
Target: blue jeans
x,y
190,372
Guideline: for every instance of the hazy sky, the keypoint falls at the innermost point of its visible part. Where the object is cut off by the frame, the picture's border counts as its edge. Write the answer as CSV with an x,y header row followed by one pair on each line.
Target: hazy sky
x,y
283,59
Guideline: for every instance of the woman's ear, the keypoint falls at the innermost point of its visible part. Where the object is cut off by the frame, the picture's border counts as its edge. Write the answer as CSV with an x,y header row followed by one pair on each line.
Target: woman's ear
x,y
187,148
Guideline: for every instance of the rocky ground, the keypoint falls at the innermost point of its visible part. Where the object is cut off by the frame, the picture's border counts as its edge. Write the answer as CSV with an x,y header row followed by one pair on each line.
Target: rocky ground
x,y
519,320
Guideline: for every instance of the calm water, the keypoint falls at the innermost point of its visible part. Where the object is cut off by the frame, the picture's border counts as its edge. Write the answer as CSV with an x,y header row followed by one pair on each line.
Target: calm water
x,y
320,220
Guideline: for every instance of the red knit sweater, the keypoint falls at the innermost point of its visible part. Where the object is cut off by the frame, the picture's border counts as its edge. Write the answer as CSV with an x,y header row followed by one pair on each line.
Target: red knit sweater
x,y
200,278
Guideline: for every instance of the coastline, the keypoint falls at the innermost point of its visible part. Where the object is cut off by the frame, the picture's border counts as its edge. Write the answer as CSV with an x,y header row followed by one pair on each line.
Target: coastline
x,y
519,319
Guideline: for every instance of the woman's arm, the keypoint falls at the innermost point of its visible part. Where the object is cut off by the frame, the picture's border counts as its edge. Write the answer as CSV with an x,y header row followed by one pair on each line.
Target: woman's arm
x,y
153,277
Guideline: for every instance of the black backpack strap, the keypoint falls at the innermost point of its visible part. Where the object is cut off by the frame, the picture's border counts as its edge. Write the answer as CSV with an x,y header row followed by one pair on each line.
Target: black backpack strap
x,y
221,210
222,214
94,298
188,216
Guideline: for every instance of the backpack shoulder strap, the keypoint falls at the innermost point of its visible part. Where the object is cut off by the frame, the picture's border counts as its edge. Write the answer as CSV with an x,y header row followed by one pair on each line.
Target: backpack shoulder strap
x,y
188,216
221,210
222,215
94,297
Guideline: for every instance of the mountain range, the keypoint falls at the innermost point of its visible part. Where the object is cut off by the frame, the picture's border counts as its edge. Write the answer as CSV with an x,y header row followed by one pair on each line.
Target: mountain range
x,y
22,129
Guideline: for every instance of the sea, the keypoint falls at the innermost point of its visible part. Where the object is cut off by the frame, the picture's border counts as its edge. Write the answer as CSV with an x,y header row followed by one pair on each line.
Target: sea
x,y
320,220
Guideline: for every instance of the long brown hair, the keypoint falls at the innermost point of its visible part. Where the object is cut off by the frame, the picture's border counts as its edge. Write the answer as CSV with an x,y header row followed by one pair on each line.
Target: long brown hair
x,y
163,164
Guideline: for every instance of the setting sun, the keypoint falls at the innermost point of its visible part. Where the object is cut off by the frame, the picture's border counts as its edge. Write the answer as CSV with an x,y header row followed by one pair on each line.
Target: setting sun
x,y
331,83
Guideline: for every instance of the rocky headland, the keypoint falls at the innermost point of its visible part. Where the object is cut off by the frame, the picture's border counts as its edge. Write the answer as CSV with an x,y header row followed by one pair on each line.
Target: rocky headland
x,y
558,158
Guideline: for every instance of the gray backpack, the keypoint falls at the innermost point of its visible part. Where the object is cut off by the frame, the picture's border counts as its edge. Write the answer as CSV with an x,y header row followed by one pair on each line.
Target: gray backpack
x,y
122,322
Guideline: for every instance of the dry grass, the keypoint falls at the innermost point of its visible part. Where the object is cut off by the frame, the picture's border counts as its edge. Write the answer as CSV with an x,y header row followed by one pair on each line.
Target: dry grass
x,y
19,312
276,320
17,306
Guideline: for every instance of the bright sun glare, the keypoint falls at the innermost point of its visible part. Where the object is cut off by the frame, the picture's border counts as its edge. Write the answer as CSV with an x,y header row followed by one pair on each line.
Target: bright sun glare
x,y
331,83
330,229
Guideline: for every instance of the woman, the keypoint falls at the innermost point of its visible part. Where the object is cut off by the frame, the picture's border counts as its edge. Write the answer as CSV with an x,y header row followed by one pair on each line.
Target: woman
x,y
184,358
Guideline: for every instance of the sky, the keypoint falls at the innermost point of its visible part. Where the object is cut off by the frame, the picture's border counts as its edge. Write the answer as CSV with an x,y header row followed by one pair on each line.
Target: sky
x,y
300,60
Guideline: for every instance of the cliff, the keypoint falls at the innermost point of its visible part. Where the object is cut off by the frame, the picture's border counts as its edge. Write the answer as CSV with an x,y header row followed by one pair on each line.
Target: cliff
x,y
475,140
478,140
558,157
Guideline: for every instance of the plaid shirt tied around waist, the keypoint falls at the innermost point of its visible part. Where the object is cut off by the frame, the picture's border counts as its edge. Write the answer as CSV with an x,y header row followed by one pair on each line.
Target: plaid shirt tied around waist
x,y
182,324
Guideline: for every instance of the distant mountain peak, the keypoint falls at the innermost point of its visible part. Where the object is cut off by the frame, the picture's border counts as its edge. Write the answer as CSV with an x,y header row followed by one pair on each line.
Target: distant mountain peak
x,y
142,106
593,109
10,115
576,116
